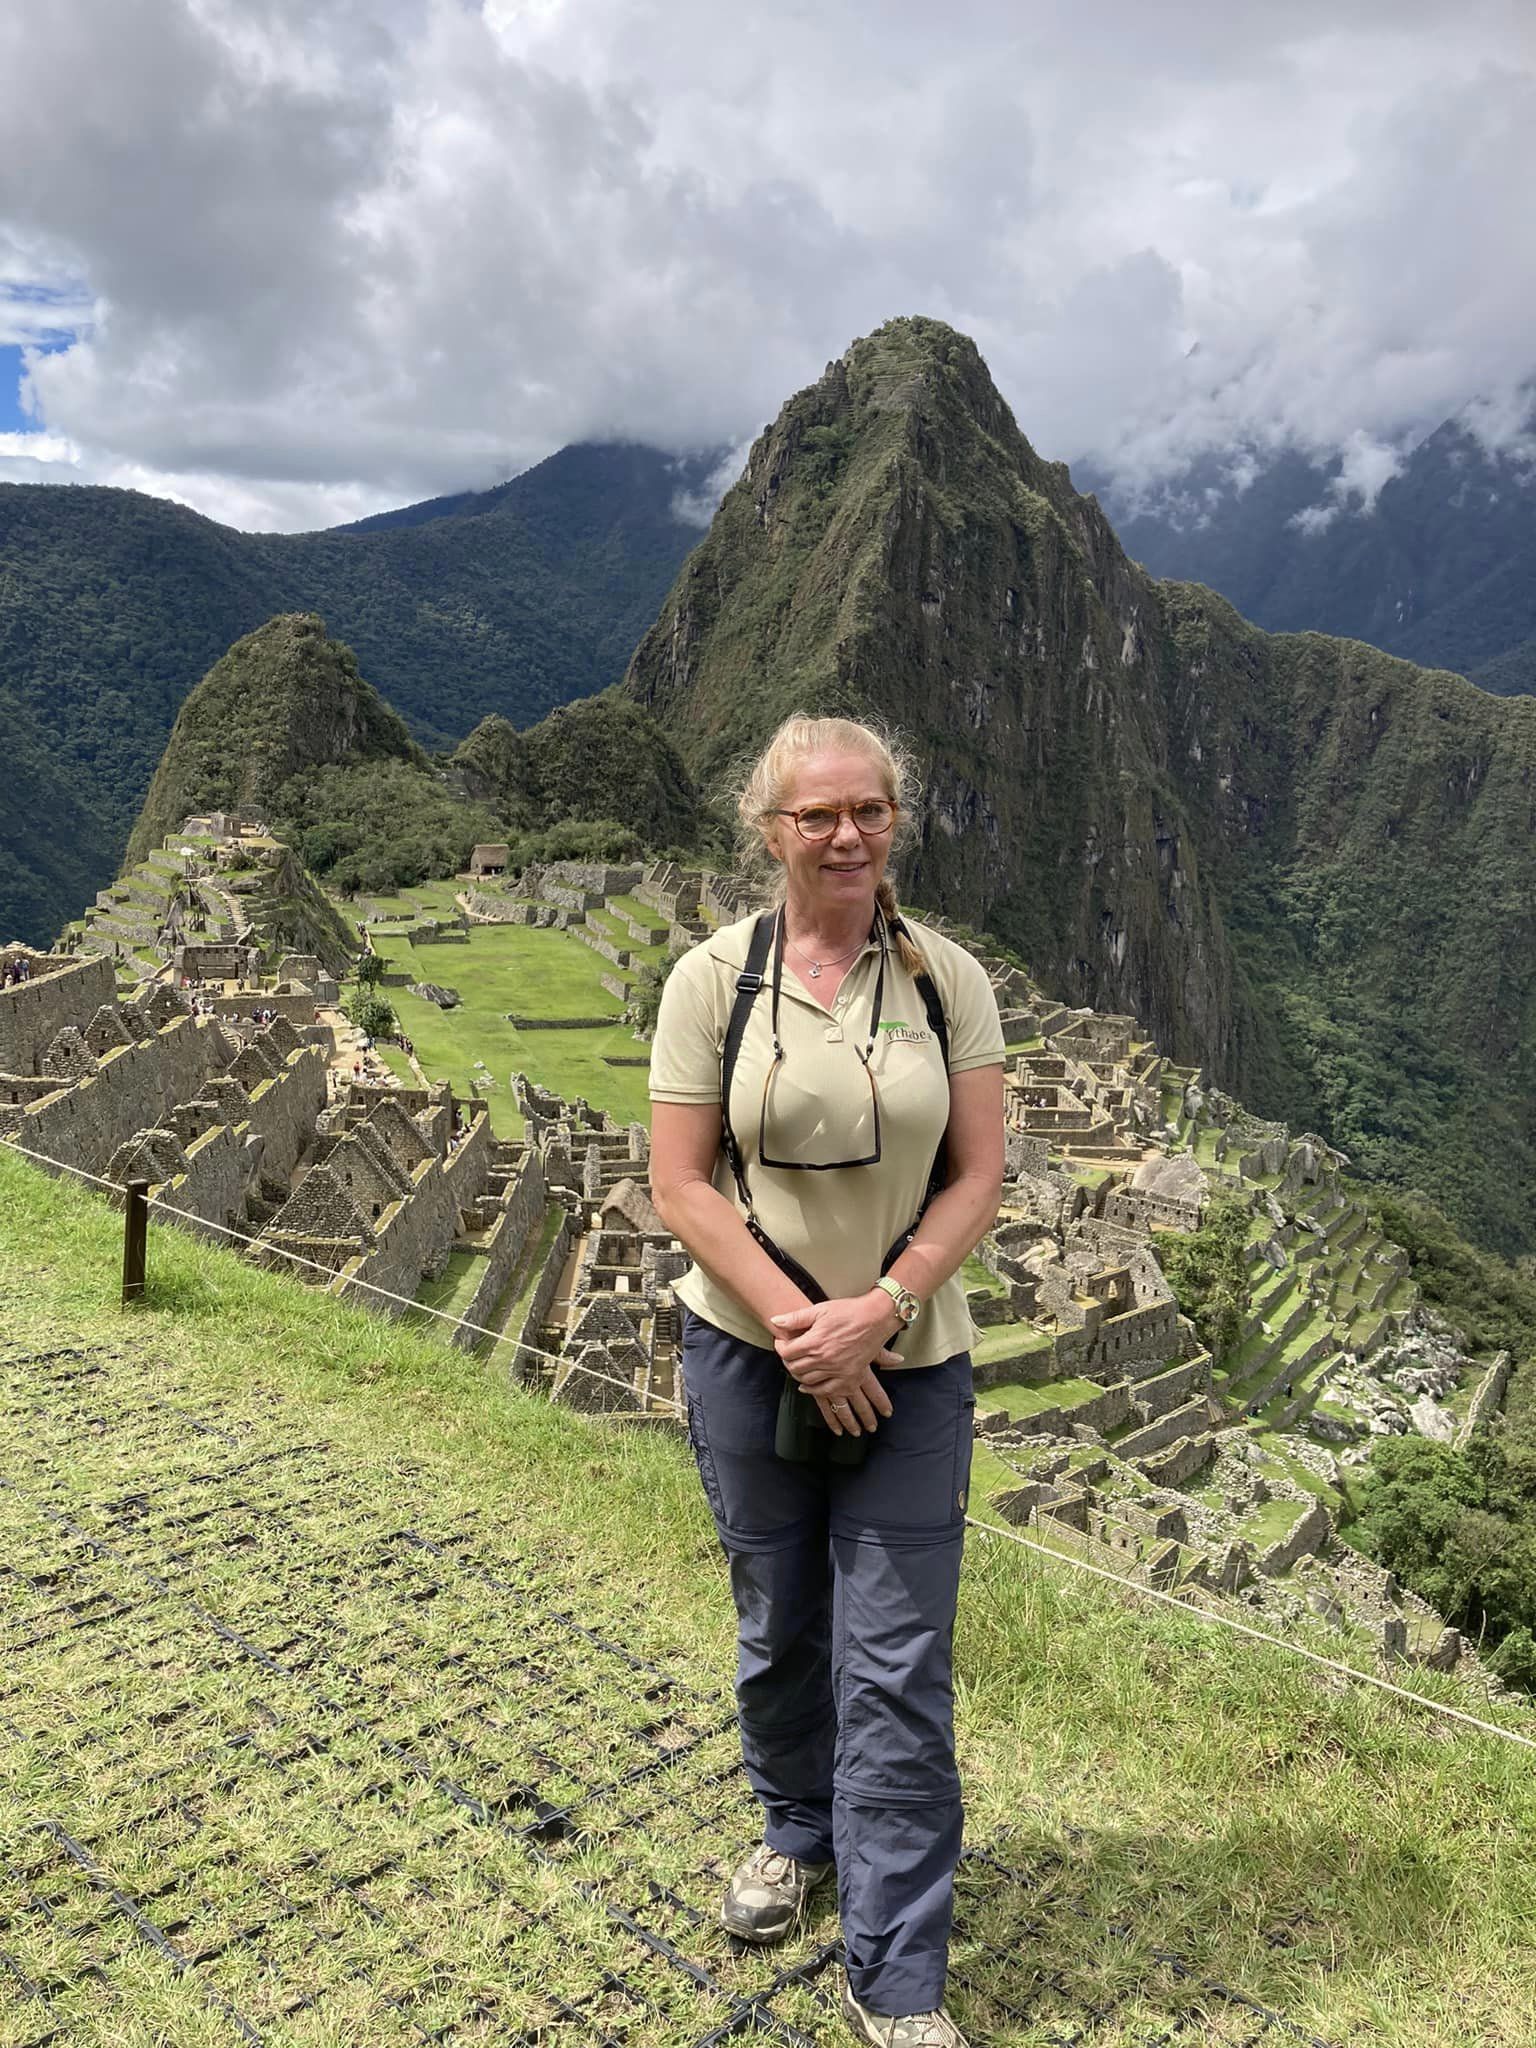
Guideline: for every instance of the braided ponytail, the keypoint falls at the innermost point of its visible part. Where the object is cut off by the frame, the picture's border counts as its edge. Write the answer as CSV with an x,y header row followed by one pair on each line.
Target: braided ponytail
x,y
911,958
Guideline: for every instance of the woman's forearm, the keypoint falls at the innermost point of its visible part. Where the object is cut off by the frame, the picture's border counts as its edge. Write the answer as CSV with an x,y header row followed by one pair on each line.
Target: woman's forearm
x,y
957,1219
712,1231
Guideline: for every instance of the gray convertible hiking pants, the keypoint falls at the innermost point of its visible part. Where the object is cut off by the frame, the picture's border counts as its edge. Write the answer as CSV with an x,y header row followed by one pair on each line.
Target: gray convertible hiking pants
x,y
845,1580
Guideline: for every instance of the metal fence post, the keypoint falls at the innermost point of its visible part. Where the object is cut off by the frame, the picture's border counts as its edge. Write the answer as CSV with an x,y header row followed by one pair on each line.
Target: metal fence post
x,y
135,1237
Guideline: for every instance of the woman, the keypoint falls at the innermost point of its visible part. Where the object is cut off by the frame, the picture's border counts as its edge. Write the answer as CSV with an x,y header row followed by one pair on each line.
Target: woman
x,y
841,1105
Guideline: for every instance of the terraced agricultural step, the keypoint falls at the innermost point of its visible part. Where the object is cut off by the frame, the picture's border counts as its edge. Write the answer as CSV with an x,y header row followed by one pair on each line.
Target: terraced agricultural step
x,y
1271,1292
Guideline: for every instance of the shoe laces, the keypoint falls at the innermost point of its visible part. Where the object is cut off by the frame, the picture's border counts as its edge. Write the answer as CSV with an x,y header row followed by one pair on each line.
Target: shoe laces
x,y
773,1865
924,2030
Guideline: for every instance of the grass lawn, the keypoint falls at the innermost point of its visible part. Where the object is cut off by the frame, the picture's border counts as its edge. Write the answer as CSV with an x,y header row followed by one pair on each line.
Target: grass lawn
x,y
1271,1520
508,1316
642,913
538,973
426,899
1022,1402
352,1693
1008,1340
453,1292
975,1274
393,1057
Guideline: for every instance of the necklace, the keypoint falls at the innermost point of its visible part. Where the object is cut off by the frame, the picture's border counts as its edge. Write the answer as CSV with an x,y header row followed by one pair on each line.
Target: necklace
x,y
816,966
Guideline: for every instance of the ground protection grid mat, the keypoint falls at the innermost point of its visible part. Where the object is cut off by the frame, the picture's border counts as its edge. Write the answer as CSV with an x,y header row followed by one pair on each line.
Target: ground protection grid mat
x,y
292,1756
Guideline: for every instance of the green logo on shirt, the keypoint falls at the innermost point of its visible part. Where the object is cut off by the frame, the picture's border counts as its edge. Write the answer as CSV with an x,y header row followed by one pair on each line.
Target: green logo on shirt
x,y
903,1033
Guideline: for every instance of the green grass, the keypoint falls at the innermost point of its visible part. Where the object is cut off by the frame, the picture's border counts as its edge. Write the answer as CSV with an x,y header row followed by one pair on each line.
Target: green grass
x,y
975,1274
393,1058
537,973
508,1317
1008,1340
1022,1402
453,1292
1165,1790
1271,1520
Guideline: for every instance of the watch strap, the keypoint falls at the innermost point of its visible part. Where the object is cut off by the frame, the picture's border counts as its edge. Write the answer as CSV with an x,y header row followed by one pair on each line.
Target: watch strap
x,y
906,1303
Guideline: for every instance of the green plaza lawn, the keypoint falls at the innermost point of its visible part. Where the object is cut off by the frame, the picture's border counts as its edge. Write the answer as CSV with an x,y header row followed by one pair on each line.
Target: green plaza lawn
x,y
536,973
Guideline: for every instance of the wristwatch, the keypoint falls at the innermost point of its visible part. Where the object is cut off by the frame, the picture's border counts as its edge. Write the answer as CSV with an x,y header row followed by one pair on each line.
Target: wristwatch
x,y
908,1307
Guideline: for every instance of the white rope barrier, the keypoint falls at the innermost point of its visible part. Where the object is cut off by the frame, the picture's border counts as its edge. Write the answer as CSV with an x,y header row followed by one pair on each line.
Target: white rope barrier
x,y
420,1308
989,1529
1243,1628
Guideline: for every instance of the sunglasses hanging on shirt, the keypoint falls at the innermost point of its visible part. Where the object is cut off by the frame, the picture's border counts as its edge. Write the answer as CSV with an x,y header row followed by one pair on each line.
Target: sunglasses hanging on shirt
x,y
864,1054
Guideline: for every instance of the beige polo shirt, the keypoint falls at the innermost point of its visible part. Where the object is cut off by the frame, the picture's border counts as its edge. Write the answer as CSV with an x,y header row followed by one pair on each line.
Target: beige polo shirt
x,y
839,1223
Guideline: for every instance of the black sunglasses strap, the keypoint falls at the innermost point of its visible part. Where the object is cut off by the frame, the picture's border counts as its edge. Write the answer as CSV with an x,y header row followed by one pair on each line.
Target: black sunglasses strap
x,y
748,985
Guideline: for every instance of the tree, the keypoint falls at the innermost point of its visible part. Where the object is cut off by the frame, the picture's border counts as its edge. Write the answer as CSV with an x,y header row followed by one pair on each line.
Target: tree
x,y
645,992
371,1014
369,969
1208,1270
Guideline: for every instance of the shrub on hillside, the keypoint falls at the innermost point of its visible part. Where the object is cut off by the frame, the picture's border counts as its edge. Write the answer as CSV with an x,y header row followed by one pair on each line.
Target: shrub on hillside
x,y
645,992
1208,1270
1459,1528
371,1014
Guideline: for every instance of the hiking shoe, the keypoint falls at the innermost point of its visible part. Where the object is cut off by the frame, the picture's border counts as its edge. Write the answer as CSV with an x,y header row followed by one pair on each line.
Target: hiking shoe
x,y
767,1895
910,2030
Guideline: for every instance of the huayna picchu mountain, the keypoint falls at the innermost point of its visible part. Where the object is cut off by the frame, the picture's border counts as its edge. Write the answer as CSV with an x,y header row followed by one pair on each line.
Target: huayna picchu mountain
x,y
1307,865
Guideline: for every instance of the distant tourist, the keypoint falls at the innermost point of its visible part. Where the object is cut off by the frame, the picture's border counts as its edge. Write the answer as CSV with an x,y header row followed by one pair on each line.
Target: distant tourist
x,y
866,1157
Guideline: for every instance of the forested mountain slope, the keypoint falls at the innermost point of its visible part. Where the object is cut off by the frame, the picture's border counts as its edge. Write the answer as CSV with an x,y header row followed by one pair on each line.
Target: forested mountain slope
x,y
1441,569
1305,864
286,727
113,604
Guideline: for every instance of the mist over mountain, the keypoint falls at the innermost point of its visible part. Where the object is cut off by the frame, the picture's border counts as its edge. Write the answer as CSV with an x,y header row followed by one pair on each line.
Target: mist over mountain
x,y
1440,567
113,604
1297,860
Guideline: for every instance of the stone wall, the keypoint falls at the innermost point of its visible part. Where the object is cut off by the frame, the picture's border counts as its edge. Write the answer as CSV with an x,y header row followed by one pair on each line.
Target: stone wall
x,y
1487,1398
1181,1460
525,1365
496,909
33,1013
1102,1412
1190,1420
521,1217
1310,1531
560,1023
413,1235
1166,1390
135,1088
298,1010
282,1112
1025,1369
211,1190
1150,1331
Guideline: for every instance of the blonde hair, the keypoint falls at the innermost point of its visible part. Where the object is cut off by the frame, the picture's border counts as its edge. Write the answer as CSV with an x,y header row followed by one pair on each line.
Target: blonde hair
x,y
762,795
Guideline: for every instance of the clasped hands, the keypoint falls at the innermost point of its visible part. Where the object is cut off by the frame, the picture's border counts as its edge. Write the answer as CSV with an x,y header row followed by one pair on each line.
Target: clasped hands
x,y
831,1349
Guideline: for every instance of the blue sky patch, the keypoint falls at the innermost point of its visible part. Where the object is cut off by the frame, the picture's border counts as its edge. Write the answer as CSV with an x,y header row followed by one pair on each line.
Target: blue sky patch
x,y
12,418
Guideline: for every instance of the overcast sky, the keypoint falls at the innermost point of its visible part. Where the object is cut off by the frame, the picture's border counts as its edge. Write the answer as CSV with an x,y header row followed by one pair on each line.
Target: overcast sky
x,y
295,260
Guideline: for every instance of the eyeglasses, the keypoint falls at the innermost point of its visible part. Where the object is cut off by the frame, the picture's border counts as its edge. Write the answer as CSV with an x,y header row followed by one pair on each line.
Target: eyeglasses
x,y
819,821
865,1053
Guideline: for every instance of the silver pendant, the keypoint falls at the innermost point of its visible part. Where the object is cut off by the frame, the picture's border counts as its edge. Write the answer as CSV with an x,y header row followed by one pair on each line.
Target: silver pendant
x,y
815,970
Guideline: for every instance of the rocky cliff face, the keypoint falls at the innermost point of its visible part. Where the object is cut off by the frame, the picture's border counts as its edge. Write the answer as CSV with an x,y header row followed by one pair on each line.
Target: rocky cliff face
x,y
1259,845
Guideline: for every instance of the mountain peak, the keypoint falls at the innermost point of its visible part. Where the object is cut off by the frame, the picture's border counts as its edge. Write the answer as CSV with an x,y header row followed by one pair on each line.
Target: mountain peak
x,y
283,699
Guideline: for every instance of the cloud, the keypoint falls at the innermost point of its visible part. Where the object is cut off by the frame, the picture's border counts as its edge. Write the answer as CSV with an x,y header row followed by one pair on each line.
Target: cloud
x,y
311,260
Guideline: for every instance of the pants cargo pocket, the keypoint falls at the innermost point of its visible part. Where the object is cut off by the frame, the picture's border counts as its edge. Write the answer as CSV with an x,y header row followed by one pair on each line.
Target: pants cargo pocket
x,y
965,1440
705,1461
